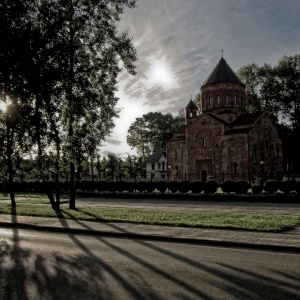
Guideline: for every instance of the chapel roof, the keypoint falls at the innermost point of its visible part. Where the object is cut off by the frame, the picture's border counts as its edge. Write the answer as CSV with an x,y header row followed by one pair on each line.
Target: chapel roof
x,y
247,119
222,73
155,156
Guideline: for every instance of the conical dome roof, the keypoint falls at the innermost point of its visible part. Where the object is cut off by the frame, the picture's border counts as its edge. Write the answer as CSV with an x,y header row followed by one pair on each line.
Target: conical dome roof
x,y
222,73
191,105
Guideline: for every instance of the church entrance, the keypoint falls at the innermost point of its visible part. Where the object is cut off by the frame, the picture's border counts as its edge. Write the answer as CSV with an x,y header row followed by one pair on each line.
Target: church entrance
x,y
203,169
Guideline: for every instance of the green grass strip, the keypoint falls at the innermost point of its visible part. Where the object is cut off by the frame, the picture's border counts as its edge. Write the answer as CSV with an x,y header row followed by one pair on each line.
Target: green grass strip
x,y
257,222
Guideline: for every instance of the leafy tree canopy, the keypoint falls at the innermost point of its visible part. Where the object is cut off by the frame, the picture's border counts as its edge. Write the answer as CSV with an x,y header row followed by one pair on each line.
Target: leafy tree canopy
x,y
150,132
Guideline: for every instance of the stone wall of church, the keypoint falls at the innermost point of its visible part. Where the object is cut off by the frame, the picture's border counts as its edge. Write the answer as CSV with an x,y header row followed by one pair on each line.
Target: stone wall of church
x,y
223,96
266,147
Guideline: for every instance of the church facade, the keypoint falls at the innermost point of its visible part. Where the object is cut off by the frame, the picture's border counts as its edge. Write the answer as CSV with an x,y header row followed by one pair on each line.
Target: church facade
x,y
223,140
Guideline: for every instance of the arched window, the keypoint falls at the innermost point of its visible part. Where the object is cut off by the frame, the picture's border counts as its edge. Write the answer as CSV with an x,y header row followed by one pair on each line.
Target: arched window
x,y
227,99
218,99
204,142
209,101
235,99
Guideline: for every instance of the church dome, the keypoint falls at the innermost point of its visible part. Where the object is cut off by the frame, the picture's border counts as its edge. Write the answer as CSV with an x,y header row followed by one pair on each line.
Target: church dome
x,y
223,92
222,73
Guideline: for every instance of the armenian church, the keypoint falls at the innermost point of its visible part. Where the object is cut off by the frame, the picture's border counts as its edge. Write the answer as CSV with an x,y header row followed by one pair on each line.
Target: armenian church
x,y
223,138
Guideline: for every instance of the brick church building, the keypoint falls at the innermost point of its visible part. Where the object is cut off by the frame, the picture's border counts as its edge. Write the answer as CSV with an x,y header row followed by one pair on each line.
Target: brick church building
x,y
223,140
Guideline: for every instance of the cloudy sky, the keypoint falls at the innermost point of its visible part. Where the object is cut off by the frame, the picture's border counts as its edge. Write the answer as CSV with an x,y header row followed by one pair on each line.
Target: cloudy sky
x,y
179,42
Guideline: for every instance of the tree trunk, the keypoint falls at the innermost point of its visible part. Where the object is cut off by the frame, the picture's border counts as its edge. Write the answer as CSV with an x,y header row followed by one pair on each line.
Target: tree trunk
x,y
9,149
72,168
57,187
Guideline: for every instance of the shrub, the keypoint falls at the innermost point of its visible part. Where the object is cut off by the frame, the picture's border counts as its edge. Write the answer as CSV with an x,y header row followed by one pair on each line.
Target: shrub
x,y
184,186
228,186
162,186
150,186
257,189
101,186
130,187
271,186
210,186
173,186
65,186
287,186
141,186
297,186
119,186
241,187
111,186
197,186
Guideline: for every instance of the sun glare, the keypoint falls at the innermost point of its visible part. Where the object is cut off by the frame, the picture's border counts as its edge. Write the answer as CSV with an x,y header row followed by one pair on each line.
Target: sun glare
x,y
2,106
160,73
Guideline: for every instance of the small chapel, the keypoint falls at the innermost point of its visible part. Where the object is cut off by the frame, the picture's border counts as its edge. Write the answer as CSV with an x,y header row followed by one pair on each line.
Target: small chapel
x,y
222,139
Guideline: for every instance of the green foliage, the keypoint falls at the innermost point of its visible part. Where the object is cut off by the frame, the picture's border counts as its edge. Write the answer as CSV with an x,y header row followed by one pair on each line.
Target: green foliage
x,y
141,186
162,186
210,186
150,186
277,90
197,186
61,82
228,186
241,187
257,189
184,186
271,186
287,186
150,132
173,186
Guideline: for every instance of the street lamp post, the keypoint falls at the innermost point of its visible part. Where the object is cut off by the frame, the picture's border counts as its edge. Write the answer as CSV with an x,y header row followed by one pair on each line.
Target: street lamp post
x,y
262,171
169,172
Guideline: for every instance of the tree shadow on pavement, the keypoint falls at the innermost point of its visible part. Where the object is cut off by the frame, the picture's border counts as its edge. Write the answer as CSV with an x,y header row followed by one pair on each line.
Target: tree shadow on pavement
x,y
113,270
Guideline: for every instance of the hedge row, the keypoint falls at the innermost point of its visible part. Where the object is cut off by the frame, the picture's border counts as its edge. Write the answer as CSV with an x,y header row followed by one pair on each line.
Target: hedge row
x,y
229,186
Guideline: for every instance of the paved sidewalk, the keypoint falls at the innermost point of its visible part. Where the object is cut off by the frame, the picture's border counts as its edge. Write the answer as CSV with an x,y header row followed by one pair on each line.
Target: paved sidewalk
x,y
287,241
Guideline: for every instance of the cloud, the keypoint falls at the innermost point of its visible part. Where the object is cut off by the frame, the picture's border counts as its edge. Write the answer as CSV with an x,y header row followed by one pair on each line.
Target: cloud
x,y
113,142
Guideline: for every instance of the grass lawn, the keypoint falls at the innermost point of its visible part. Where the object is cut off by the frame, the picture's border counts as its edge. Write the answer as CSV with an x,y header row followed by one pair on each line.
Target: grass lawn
x,y
38,205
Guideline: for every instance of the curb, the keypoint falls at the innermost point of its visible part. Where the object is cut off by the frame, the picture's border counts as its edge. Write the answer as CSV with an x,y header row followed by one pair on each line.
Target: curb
x,y
200,241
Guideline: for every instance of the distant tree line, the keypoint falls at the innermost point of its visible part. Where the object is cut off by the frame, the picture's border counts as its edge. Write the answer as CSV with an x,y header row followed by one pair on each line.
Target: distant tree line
x,y
59,61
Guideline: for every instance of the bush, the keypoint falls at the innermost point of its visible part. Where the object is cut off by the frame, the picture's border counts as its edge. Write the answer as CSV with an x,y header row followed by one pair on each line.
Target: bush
x,y
271,186
174,186
210,186
297,186
162,186
130,187
141,186
184,186
228,186
150,186
287,186
101,186
120,186
241,187
110,186
197,186
257,189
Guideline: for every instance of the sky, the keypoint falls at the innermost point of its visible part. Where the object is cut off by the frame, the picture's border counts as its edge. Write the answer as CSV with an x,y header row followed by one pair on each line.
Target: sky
x,y
179,43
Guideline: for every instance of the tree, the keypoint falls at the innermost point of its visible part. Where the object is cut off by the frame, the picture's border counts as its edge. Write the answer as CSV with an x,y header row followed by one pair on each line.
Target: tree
x,y
262,88
66,70
151,132
277,90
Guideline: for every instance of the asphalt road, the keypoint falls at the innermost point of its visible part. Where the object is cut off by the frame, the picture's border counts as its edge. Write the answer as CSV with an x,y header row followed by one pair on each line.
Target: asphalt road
x,y
39,265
